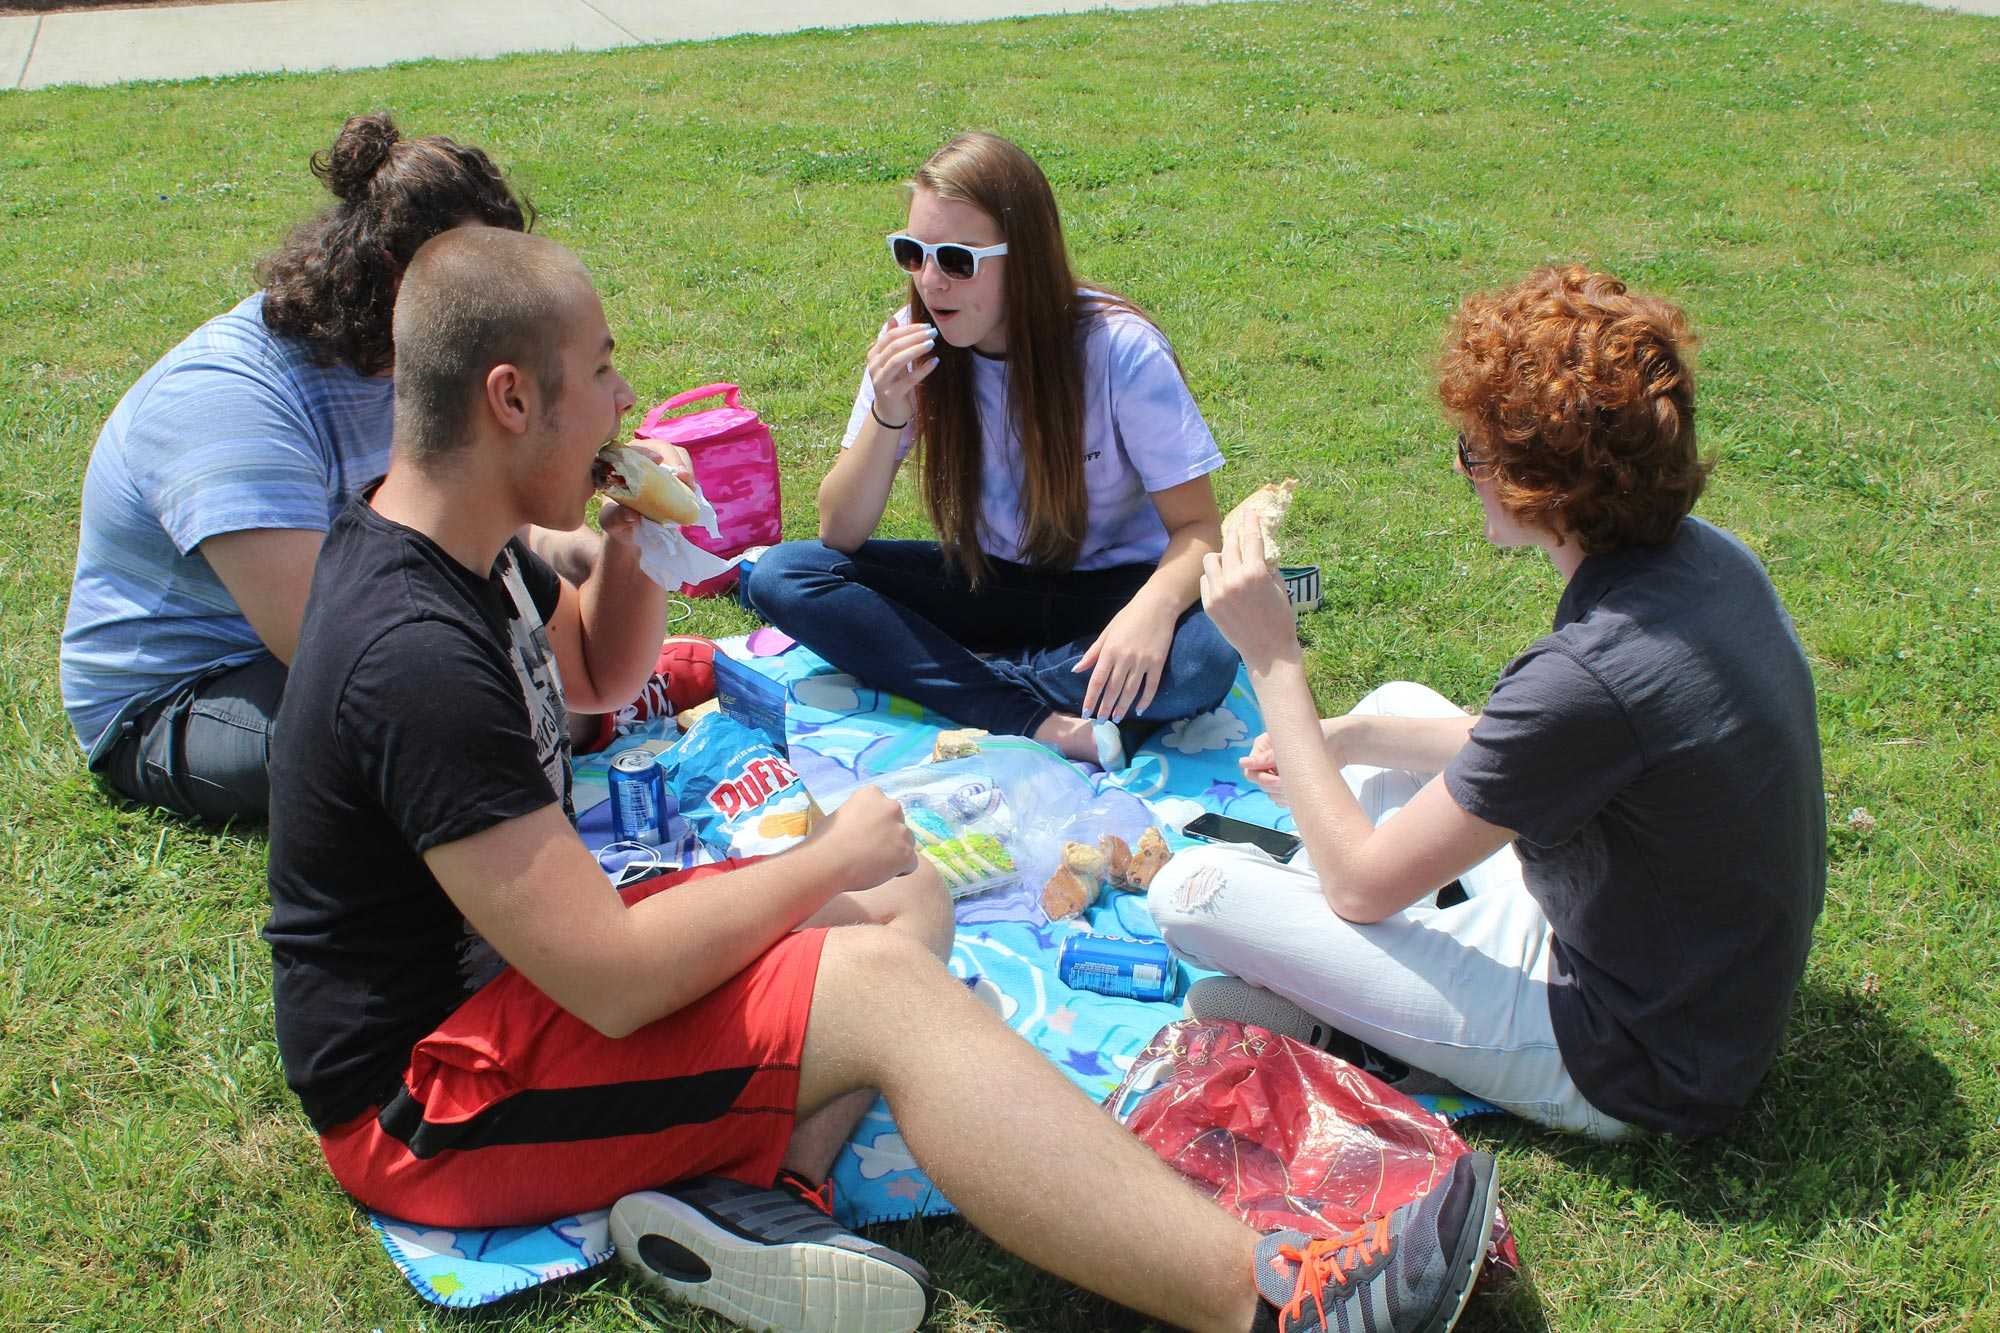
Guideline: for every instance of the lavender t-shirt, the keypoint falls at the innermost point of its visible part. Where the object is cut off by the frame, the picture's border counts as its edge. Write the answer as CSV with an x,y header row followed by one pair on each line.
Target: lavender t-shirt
x,y
1141,433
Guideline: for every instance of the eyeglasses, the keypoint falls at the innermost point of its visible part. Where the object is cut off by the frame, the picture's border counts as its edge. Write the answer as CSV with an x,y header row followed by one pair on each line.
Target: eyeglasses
x,y
953,260
1466,460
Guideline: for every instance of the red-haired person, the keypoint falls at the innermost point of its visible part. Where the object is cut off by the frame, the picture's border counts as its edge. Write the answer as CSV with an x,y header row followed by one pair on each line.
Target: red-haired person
x,y
1636,814
1063,463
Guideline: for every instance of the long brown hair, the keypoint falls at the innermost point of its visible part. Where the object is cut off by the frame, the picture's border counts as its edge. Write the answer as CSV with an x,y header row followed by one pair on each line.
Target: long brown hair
x,y
1045,322
333,285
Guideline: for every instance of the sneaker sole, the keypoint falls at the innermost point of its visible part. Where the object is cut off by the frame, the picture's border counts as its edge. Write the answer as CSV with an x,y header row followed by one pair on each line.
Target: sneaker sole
x,y
1233,1001
799,1288
1483,1209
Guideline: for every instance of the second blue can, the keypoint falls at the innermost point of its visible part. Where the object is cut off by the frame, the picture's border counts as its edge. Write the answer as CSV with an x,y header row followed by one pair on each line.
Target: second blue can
x,y
1114,965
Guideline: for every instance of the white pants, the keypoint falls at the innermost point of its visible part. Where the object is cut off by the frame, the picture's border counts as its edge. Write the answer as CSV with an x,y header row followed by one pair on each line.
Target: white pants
x,y
1461,992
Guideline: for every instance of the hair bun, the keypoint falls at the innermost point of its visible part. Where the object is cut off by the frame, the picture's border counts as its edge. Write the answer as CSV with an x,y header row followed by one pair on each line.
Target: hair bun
x,y
362,147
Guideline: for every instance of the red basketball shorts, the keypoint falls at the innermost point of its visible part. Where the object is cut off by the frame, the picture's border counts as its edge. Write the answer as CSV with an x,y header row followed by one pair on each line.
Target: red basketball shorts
x,y
514,1112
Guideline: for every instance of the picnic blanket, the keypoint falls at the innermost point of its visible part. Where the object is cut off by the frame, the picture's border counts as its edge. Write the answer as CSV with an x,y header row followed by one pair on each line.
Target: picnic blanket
x,y
841,734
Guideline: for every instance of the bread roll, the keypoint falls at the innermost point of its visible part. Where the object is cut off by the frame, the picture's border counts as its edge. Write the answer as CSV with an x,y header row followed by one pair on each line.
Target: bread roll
x,y
1147,858
631,478
961,744
1065,895
1085,862
1117,861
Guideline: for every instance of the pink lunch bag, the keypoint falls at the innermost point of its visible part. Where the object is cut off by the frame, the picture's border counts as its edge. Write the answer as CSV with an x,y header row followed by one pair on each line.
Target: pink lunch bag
x,y
736,466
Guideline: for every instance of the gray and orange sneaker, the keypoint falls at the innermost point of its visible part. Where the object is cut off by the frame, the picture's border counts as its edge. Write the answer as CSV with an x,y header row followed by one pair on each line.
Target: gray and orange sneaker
x,y
767,1259
1408,1272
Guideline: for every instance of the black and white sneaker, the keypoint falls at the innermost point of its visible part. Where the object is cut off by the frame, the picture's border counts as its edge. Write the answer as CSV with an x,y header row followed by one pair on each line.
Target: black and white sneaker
x,y
767,1259
1236,1001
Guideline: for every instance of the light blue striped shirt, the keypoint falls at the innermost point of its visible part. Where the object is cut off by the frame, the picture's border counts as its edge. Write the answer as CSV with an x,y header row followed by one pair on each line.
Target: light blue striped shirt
x,y
235,429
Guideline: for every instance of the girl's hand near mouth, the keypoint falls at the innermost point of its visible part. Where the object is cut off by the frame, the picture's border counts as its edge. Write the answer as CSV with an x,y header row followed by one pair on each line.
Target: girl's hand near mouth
x,y
900,360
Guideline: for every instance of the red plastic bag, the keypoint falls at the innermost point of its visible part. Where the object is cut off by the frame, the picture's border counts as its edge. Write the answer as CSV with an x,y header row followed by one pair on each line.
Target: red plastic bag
x,y
735,464
1284,1135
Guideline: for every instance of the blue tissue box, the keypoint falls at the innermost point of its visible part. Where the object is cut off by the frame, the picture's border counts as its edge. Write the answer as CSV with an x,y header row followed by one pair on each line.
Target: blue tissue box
x,y
750,697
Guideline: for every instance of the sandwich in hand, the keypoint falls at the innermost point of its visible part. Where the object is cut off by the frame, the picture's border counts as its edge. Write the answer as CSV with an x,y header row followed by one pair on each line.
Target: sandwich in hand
x,y
1263,510
632,479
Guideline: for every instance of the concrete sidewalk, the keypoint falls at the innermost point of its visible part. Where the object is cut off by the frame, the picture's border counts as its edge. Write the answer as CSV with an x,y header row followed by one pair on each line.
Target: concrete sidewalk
x,y
193,41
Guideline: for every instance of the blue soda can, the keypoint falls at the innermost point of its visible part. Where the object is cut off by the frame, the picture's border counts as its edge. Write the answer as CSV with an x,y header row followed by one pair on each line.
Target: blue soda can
x,y
1113,965
639,809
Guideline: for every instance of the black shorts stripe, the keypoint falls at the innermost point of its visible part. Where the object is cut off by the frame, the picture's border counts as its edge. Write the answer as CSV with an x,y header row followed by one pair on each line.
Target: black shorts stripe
x,y
571,1115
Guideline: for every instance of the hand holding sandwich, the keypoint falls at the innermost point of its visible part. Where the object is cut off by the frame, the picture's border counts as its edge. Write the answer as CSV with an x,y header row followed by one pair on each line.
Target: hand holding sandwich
x,y
575,552
611,626
644,481
1245,598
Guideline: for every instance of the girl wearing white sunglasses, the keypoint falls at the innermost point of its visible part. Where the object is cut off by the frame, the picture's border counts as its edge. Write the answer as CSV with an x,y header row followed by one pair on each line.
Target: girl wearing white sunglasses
x,y
1064,466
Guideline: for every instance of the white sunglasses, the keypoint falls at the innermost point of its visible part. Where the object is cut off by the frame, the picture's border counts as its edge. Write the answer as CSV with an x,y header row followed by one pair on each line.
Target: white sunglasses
x,y
953,260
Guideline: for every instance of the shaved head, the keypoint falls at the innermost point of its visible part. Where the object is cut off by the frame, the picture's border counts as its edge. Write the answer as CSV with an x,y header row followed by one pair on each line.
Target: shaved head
x,y
474,298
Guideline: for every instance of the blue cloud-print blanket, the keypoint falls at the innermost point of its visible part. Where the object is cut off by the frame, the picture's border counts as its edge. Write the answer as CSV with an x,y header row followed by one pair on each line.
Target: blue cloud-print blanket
x,y
842,734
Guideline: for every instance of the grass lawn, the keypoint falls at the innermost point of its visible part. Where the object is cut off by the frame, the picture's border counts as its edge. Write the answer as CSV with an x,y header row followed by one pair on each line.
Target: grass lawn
x,y
1300,192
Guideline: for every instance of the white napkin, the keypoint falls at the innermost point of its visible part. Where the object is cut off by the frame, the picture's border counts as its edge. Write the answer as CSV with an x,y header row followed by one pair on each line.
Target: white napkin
x,y
670,559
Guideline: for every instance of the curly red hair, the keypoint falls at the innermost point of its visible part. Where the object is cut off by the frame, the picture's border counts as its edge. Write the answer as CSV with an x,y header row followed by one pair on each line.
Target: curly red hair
x,y
1579,395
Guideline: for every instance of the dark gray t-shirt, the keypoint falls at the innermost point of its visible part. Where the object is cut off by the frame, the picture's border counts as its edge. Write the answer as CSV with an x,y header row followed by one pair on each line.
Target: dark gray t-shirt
x,y
1658,756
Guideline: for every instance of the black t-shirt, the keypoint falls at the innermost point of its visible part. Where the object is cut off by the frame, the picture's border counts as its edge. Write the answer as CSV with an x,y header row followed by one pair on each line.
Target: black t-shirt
x,y
1659,757
424,707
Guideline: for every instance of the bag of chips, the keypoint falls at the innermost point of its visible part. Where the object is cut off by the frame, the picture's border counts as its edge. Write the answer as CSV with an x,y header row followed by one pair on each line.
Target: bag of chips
x,y
736,790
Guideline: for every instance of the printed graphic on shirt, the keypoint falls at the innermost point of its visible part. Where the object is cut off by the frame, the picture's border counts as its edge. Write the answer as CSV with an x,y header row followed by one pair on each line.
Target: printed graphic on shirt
x,y
534,660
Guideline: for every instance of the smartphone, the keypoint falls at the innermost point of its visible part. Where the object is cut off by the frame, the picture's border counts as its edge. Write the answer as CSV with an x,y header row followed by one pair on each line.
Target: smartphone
x,y
1221,828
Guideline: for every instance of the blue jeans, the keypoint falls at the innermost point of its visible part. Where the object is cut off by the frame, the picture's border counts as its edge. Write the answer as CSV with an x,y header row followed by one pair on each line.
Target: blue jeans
x,y
205,749
900,617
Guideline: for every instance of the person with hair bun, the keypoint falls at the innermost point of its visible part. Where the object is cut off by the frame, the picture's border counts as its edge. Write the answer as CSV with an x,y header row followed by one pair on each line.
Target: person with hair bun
x,y
211,486
1591,902
1064,465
